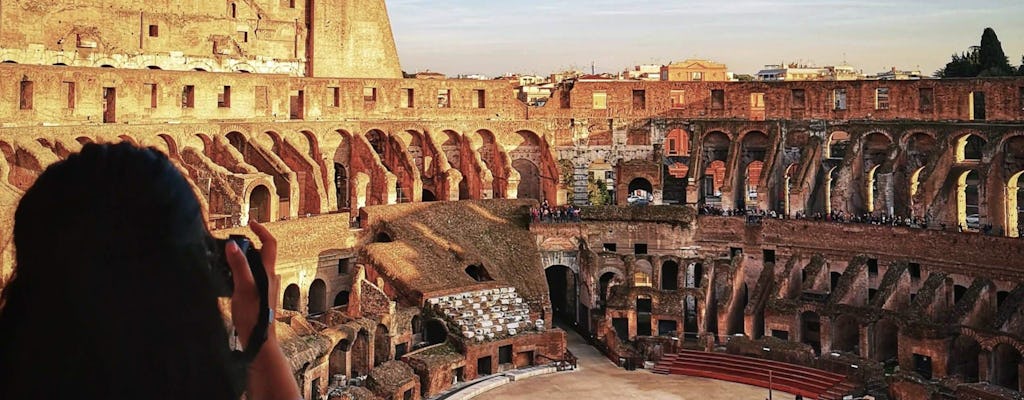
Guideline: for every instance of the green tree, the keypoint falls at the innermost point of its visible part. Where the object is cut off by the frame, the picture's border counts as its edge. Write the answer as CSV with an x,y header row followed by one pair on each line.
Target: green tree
x,y
1020,69
988,59
597,191
991,56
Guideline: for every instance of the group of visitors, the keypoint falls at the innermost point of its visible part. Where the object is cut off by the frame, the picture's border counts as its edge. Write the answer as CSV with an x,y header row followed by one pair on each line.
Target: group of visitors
x,y
849,218
546,213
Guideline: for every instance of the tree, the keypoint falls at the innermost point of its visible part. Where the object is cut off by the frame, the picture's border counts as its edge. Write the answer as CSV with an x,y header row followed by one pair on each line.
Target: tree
x,y
597,191
1020,69
991,56
985,60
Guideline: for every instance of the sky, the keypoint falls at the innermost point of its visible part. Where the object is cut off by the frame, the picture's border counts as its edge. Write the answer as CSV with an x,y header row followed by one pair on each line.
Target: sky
x,y
539,37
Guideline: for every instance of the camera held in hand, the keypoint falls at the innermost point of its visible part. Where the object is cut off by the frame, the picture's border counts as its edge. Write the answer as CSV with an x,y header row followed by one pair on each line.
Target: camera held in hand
x,y
223,279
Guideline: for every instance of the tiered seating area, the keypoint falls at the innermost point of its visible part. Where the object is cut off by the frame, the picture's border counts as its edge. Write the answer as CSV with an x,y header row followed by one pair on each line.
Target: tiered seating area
x,y
487,314
795,379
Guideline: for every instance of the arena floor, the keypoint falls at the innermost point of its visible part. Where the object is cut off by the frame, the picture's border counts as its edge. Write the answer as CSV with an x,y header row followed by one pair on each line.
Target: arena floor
x,y
598,378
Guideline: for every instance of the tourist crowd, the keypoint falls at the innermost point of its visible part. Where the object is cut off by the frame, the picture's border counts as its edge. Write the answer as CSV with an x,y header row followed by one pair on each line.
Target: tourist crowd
x,y
848,218
546,213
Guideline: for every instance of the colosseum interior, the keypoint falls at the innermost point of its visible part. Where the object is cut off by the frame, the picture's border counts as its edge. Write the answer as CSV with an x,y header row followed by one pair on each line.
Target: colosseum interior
x,y
410,259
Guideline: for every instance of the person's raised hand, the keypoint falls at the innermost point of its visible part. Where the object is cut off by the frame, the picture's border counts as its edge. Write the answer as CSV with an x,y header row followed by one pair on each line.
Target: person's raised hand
x,y
245,301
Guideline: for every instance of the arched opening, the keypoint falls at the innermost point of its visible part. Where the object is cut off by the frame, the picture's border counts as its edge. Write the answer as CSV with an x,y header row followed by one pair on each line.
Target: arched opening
x,y
604,286
963,359
529,183
338,361
1005,366
846,334
810,330
317,297
967,201
341,299
478,273
873,191
969,148
838,143
435,332
259,204
694,274
381,345
887,341
716,152
752,178
291,298
1015,206
669,275
640,191
428,196
834,280
360,357
562,292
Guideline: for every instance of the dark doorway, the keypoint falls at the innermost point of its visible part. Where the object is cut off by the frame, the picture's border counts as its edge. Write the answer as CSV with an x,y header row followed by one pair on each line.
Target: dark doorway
x,y
669,275
291,298
667,327
505,355
428,196
923,366
435,332
621,326
562,292
317,297
810,330
605,282
529,184
341,299
690,329
259,204
643,316
483,366
297,105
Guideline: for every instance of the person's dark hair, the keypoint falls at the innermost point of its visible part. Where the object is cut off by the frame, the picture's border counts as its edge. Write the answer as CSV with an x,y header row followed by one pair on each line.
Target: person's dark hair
x,y
111,296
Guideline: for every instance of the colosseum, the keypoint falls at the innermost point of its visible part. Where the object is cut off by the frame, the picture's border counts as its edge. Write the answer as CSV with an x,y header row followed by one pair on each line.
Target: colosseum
x,y
862,236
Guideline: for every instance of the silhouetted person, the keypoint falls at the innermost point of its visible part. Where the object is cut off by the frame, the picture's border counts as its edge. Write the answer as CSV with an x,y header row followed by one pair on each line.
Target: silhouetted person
x,y
113,297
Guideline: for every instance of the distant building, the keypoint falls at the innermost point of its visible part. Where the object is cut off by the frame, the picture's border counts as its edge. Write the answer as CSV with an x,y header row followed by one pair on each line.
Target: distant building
x,y
695,71
646,72
430,75
796,72
897,75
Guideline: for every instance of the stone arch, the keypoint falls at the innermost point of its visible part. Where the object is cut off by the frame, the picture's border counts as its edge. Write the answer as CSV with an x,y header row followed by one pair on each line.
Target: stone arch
x,y
381,345
846,334
260,204
291,298
810,330
669,275
606,280
963,358
317,297
968,200
530,182
751,181
837,145
172,145
343,160
562,292
1005,366
338,361
875,148
969,147
641,187
920,146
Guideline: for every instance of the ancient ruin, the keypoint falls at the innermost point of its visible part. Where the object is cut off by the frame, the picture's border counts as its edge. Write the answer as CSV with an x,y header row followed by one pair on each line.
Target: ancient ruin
x,y
867,228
